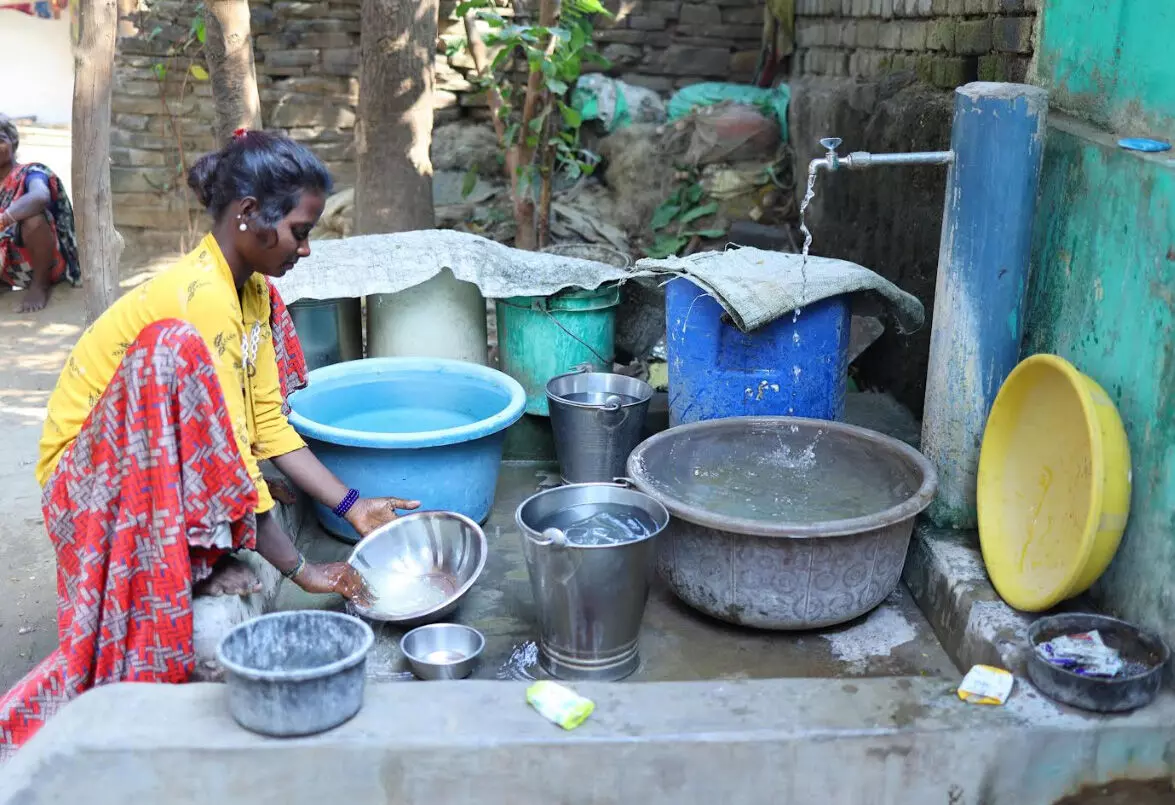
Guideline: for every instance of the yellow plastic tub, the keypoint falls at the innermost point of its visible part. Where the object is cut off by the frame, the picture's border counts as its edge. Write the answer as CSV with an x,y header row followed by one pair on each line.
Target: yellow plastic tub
x,y
1054,484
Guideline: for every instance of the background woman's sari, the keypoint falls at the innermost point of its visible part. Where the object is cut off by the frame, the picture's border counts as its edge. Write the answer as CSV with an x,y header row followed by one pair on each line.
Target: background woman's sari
x,y
15,266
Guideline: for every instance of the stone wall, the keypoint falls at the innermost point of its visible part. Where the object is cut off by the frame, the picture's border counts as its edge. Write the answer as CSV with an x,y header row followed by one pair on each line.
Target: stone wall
x,y
874,73
945,42
307,56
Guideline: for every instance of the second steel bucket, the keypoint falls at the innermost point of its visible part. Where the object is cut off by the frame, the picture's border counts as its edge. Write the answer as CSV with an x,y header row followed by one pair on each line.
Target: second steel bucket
x,y
597,419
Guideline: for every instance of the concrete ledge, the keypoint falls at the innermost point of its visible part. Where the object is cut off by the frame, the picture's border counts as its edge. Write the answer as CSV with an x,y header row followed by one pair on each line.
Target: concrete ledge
x,y
875,741
945,574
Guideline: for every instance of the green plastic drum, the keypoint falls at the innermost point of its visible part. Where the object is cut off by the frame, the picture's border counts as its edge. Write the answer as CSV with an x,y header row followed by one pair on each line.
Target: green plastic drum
x,y
540,337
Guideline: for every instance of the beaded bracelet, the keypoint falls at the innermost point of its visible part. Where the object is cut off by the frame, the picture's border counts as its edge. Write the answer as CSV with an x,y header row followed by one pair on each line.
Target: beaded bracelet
x,y
347,502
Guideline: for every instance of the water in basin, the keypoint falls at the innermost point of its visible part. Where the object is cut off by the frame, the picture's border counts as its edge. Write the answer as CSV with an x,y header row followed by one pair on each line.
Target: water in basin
x,y
780,474
415,402
402,594
591,524
404,419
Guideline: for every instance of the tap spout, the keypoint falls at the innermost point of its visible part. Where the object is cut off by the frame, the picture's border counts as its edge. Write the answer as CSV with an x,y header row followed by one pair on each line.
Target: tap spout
x,y
859,160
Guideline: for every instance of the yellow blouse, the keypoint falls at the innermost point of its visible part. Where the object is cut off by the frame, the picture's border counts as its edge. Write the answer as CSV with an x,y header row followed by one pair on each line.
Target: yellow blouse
x,y
199,289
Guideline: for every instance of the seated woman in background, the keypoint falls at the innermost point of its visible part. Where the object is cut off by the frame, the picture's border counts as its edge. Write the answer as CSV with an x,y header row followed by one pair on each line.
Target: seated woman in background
x,y
150,451
37,246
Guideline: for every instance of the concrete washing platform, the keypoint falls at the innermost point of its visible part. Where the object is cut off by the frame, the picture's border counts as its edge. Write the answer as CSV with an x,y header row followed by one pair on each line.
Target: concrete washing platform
x,y
865,713
810,742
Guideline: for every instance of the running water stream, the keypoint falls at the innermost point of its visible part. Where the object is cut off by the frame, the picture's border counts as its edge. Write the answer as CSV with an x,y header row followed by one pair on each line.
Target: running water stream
x,y
809,194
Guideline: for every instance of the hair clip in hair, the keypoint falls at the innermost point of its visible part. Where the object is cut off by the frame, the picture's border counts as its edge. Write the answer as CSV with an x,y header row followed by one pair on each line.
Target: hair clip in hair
x,y
239,133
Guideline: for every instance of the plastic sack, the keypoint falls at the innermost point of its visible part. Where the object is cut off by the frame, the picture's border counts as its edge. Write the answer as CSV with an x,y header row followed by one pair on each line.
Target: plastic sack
x,y
731,132
615,103
771,102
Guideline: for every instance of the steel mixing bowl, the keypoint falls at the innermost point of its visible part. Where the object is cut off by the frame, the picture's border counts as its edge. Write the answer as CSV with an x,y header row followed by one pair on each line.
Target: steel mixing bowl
x,y
442,650
420,566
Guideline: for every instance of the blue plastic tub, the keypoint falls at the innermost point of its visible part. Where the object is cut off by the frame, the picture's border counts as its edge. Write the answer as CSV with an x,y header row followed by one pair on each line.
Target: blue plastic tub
x,y
424,429
786,368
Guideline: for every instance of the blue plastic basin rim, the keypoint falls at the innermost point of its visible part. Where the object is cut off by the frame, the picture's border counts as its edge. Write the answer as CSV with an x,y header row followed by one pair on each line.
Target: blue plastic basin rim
x,y
368,368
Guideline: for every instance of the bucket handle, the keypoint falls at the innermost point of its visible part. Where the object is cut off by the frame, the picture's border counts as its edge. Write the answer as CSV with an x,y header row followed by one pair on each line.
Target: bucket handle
x,y
612,404
550,537
603,362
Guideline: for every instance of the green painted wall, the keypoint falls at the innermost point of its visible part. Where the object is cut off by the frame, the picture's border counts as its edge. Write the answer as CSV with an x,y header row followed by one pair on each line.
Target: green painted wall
x,y
1111,62
1103,286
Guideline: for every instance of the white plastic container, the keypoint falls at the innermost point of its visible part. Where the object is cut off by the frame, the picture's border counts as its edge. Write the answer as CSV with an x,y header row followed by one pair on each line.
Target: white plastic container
x,y
440,318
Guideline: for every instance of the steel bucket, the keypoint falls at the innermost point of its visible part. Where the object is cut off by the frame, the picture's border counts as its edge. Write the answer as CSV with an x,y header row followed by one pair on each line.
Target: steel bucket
x,y
330,330
589,599
597,419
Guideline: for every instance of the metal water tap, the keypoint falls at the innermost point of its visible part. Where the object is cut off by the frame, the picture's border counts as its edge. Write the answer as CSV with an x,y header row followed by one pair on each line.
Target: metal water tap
x,y
830,161
859,160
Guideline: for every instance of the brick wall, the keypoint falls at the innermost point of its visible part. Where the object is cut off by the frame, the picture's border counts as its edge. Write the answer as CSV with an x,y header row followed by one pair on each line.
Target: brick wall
x,y
307,56
946,42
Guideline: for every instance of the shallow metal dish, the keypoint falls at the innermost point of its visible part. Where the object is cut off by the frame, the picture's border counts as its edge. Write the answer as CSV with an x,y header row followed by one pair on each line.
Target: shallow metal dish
x,y
445,549
442,650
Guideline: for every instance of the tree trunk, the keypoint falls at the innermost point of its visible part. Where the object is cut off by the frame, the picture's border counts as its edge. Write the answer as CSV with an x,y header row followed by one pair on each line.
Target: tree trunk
x,y
99,244
229,49
393,132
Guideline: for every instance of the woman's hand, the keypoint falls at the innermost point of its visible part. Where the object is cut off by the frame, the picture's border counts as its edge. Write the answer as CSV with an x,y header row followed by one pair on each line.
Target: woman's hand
x,y
369,514
336,577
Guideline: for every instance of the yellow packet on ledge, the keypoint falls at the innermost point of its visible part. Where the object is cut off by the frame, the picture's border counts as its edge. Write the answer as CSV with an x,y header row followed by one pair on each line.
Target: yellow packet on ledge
x,y
558,704
985,684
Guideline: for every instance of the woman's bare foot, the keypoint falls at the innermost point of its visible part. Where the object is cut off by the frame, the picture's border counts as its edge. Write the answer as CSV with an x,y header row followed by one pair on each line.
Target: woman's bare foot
x,y
231,576
35,298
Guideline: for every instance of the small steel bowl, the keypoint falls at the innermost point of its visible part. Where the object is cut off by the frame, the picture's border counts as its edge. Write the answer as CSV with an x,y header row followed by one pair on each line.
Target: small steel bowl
x,y
445,550
442,650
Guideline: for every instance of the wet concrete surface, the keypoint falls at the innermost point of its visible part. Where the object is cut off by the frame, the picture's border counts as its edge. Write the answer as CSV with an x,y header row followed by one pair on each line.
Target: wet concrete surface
x,y
676,643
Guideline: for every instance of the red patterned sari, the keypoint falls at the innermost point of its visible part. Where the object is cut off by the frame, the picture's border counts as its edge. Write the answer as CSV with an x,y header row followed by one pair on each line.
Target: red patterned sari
x,y
148,497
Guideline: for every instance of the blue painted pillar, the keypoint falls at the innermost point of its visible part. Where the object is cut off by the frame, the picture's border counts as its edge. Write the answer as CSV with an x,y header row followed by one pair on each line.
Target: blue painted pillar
x,y
998,139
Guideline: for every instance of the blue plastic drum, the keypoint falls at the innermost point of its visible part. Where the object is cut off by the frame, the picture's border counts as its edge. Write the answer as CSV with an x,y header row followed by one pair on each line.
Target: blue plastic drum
x,y
791,367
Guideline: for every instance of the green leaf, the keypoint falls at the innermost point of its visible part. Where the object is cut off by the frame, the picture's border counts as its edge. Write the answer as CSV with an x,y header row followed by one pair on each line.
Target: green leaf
x,y
556,86
200,30
579,37
158,29
160,71
469,181
571,116
698,212
693,193
664,215
589,7
666,246
706,233
198,72
466,6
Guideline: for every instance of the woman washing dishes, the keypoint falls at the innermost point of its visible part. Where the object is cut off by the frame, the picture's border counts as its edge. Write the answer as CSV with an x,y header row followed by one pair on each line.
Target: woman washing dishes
x,y
37,246
150,450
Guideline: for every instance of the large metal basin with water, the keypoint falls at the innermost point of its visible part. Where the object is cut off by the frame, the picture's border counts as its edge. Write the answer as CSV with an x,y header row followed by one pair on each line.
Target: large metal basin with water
x,y
782,522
